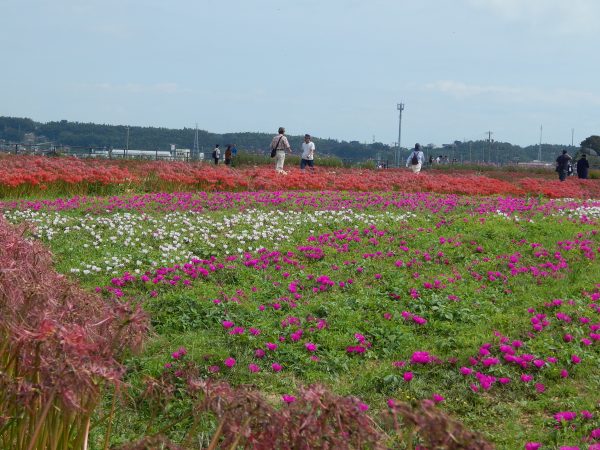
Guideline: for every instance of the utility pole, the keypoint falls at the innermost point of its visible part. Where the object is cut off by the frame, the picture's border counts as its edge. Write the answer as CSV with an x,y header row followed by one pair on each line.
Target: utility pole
x,y
540,146
572,135
196,151
400,108
489,133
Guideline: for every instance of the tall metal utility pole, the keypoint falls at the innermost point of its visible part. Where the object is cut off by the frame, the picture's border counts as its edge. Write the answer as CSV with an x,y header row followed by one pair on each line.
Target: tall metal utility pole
x,y
489,133
196,150
572,135
540,146
400,108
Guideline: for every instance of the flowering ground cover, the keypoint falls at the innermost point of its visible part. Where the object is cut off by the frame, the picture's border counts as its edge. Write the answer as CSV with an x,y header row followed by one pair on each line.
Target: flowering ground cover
x,y
487,306
29,176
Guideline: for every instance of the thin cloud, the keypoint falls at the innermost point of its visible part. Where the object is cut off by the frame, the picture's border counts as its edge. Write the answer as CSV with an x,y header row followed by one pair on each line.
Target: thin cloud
x,y
567,17
511,94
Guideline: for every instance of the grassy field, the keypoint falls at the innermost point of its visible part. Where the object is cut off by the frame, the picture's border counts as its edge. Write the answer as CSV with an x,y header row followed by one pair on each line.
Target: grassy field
x,y
489,306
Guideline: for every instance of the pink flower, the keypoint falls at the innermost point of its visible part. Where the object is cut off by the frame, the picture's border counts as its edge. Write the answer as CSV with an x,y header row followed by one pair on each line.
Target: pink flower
x,y
564,373
407,376
276,367
525,378
229,362
288,398
271,346
438,398
540,387
227,324
466,370
567,416
532,446
586,414
575,359
567,338
259,353
391,403
253,368
420,358
363,407
310,347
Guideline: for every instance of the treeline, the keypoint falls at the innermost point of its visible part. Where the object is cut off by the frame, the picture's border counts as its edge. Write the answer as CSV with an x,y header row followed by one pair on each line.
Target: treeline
x,y
86,135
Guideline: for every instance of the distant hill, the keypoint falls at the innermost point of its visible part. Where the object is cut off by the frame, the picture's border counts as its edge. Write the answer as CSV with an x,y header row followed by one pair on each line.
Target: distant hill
x,y
85,135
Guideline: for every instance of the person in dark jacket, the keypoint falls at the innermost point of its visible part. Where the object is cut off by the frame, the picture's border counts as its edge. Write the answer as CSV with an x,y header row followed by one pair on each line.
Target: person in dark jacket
x,y
562,165
583,166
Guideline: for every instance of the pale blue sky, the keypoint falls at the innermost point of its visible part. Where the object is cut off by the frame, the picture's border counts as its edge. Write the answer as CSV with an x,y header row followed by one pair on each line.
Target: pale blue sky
x,y
332,68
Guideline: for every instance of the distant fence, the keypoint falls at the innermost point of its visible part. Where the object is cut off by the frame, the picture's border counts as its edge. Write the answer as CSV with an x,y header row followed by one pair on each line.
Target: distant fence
x,y
100,152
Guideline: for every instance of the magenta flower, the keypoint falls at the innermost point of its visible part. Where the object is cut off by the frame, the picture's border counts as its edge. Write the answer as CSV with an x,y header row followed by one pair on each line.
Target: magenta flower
x,y
227,324
288,398
407,376
310,347
259,353
437,398
540,387
229,362
525,378
391,403
567,416
420,358
564,373
253,368
363,407
575,359
532,445
466,370
276,367
271,346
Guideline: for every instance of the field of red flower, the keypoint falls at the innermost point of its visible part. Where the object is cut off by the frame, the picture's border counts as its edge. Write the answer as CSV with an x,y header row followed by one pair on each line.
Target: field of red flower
x,y
34,176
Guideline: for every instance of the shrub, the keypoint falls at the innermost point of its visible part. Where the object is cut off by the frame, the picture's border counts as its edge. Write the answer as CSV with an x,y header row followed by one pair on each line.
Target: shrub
x,y
58,348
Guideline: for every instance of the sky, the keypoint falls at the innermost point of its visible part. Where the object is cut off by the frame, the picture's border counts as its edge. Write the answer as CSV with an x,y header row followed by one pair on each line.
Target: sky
x,y
522,69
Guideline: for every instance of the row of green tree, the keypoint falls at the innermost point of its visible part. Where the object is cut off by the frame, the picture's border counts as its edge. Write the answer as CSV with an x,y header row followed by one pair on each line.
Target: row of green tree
x,y
90,135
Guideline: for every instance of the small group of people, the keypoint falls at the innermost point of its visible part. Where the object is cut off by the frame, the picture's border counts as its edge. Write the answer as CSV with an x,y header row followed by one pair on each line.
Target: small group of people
x,y
280,146
230,153
564,166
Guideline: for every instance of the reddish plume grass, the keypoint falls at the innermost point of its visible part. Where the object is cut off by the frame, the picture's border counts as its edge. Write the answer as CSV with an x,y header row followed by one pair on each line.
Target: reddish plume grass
x,y
58,348
312,418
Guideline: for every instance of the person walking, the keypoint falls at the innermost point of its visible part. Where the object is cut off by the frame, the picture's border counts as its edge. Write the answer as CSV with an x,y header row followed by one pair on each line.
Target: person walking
x,y
583,165
416,159
308,153
216,154
280,144
233,153
228,155
562,165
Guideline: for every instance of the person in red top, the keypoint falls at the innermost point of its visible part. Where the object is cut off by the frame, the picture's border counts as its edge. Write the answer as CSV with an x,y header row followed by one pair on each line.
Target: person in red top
x,y
281,145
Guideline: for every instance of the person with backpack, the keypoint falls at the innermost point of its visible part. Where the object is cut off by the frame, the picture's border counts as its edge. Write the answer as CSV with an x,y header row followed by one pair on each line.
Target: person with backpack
x,y
228,155
583,166
562,165
279,145
216,154
416,159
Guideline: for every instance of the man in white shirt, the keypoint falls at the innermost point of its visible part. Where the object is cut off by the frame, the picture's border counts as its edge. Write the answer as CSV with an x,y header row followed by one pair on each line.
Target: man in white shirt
x,y
308,153
216,154
416,159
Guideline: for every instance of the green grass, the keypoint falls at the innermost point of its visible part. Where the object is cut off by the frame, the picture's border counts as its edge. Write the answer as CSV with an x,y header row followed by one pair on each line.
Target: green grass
x,y
187,316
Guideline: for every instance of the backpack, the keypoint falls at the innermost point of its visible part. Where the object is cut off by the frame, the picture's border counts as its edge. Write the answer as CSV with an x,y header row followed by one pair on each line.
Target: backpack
x,y
214,154
415,159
